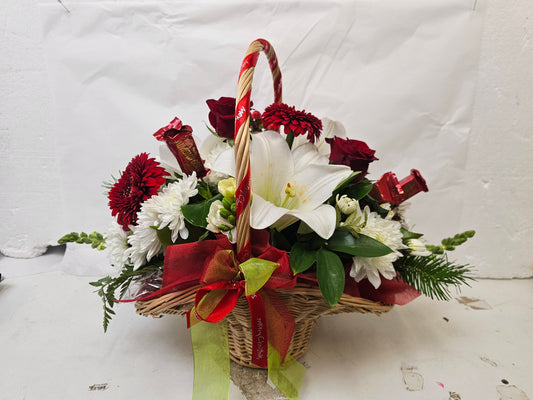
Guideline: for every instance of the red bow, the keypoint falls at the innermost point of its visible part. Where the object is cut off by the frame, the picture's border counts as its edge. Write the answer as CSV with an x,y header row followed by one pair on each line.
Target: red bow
x,y
212,263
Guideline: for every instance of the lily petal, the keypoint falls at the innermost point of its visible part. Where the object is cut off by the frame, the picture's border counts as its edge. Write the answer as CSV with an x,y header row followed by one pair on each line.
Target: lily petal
x,y
271,164
322,219
317,182
264,213
225,162
307,154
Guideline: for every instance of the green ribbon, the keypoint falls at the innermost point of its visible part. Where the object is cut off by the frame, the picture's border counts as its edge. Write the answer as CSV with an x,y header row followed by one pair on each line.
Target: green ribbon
x,y
256,273
288,376
210,347
211,360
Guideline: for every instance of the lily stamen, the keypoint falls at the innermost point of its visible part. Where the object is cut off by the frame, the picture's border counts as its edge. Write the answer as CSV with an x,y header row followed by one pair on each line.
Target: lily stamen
x,y
290,193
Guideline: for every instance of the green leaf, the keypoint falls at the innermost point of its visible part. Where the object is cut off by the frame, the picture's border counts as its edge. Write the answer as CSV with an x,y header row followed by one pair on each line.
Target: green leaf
x,y
363,245
164,235
330,274
301,257
197,213
376,207
358,190
406,235
204,190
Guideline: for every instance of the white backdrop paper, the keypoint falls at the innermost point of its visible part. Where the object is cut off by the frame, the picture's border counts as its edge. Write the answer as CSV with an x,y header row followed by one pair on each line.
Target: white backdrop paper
x,y
398,75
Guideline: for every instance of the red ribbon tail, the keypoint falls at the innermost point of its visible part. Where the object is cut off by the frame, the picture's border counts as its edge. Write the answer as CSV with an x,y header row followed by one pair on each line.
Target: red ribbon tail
x,y
259,330
280,322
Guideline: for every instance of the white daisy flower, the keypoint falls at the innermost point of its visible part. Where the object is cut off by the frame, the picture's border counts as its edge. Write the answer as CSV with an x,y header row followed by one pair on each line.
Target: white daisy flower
x,y
163,210
387,232
117,245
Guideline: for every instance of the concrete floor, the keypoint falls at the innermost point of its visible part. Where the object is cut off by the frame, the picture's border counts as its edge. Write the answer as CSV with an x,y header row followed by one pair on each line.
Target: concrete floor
x,y
52,346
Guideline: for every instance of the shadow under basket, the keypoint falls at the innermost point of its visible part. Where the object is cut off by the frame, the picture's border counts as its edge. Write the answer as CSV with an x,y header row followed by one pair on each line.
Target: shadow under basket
x,y
305,303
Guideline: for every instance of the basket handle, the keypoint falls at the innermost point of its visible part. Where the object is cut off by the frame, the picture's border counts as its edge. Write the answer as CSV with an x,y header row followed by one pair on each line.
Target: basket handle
x,y
242,137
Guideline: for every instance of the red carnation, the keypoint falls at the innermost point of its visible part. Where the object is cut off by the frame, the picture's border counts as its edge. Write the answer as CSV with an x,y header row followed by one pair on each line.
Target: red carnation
x,y
140,180
353,153
292,120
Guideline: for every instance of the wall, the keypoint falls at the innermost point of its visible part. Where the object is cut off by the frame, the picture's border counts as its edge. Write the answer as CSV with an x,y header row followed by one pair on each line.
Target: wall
x,y
489,191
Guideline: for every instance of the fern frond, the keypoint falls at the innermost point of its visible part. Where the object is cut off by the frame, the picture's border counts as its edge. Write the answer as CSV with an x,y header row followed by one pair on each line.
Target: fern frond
x,y
108,287
433,276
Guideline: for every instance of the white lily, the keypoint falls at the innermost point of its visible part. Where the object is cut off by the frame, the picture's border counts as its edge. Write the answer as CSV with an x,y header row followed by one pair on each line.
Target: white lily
x,y
291,185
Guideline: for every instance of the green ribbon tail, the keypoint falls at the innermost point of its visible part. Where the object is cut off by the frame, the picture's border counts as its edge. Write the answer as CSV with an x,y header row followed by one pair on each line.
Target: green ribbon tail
x,y
211,361
288,376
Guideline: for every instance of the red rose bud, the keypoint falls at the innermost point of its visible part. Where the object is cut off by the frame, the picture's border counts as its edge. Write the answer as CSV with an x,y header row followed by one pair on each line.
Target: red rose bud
x,y
222,116
388,190
353,153
180,142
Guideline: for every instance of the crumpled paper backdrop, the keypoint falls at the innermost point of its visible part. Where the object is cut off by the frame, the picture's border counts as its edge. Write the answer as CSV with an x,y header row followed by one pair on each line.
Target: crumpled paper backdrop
x,y
398,75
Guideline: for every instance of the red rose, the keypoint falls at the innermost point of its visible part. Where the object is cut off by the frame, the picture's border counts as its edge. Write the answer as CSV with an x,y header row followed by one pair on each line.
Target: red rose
x,y
222,116
353,153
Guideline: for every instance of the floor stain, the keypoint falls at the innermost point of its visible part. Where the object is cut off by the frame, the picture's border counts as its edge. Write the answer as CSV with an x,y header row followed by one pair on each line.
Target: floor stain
x,y
412,379
98,386
488,361
252,382
474,304
511,393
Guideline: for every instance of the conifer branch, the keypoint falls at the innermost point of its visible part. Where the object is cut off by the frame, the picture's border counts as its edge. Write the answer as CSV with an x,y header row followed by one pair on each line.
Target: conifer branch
x,y
433,276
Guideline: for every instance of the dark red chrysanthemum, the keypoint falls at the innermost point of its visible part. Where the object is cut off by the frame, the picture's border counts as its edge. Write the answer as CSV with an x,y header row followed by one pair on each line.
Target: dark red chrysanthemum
x,y
140,180
292,120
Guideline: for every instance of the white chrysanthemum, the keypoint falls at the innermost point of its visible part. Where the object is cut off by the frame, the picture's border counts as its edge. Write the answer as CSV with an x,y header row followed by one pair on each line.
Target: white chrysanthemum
x,y
387,232
214,220
211,148
117,245
163,210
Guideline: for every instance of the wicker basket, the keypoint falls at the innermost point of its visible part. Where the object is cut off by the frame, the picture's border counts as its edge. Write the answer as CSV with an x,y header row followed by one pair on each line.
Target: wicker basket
x,y
305,302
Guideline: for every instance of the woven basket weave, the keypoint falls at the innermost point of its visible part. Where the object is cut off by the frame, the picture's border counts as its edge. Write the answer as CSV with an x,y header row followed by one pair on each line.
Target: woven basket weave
x,y
305,302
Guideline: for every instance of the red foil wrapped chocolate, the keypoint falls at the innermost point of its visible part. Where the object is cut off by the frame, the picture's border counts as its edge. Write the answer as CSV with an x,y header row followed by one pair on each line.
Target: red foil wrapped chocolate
x,y
388,190
180,142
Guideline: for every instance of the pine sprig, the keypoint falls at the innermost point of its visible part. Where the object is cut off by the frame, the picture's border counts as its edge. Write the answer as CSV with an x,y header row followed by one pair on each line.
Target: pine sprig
x,y
108,286
95,239
433,276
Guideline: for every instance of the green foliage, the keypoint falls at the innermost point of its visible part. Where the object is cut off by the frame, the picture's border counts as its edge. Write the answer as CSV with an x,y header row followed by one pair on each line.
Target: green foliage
x,y
330,275
360,245
197,213
375,206
95,239
108,184
204,190
406,235
449,244
164,235
302,257
353,190
432,276
108,287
